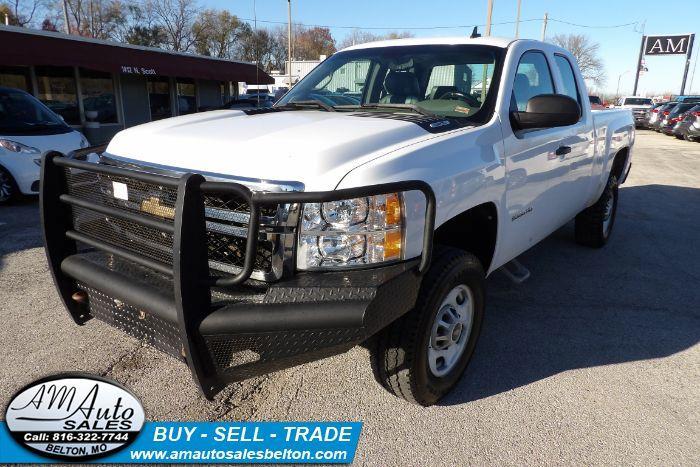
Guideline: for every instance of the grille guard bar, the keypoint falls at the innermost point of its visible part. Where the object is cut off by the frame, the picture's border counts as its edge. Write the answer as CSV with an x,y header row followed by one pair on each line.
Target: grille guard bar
x,y
192,281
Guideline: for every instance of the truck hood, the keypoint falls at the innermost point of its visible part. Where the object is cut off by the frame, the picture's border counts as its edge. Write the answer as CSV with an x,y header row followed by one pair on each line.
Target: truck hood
x,y
316,148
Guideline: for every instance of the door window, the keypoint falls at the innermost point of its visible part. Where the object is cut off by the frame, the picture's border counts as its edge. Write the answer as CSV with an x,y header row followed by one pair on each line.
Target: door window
x,y
159,98
186,100
97,88
532,78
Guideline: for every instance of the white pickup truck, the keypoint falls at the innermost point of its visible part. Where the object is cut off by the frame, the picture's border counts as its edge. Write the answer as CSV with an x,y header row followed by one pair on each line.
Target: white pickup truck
x,y
639,107
367,207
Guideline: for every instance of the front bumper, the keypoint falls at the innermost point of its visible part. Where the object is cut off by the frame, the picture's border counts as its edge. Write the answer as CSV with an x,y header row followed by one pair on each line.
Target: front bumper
x,y
226,328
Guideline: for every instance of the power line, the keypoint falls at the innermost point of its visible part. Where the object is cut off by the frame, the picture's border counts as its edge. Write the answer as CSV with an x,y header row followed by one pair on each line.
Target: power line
x,y
329,26
595,27
462,26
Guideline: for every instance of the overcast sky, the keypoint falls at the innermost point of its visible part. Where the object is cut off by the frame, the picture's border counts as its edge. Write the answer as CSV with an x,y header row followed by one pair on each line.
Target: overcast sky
x,y
619,46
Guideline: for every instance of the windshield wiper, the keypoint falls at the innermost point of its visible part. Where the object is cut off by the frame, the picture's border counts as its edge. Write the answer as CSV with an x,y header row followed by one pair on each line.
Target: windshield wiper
x,y
43,124
308,103
411,107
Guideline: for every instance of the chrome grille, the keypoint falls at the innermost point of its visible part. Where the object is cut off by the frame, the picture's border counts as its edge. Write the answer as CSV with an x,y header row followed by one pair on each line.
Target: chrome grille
x,y
227,218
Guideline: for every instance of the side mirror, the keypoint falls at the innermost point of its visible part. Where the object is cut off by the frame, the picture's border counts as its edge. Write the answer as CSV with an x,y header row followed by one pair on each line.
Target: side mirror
x,y
547,111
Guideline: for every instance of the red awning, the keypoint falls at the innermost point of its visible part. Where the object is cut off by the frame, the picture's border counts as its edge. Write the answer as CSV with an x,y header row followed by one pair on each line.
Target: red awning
x,y
27,47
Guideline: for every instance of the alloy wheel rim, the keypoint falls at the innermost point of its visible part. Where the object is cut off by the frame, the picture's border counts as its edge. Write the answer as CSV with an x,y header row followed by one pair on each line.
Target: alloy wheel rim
x,y
5,186
451,330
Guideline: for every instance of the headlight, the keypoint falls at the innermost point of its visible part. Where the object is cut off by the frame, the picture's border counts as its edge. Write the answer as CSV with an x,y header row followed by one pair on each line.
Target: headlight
x,y
351,232
84,142
14,146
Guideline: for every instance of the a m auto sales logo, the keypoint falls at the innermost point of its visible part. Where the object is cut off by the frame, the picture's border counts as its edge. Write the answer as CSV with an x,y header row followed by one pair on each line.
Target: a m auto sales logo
x,y
74,416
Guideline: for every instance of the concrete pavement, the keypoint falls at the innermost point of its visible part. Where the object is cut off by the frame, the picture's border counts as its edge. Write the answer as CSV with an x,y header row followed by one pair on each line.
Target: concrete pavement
x,y
594,360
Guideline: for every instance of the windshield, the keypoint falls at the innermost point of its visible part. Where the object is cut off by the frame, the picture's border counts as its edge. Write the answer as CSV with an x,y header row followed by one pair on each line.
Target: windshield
x,y
20,113
445,80
637,101
594,100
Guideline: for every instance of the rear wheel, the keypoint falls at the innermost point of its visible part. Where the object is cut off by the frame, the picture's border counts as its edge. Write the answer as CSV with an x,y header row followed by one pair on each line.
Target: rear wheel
x,y
8,188
595,223
421,356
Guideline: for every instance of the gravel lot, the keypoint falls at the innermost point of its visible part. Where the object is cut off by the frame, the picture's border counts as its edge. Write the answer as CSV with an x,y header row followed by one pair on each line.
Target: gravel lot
x,y
594,360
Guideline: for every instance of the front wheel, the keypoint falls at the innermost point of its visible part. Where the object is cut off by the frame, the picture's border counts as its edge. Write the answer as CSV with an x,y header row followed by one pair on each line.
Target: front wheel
x,y
595,223
421,356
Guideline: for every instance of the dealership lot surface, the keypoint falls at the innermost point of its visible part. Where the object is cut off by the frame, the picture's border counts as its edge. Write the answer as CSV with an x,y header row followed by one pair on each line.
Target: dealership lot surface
x,y
595,359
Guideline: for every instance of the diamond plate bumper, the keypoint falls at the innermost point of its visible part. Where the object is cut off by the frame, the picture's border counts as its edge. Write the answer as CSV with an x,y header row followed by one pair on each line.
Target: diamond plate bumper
x,y
225,328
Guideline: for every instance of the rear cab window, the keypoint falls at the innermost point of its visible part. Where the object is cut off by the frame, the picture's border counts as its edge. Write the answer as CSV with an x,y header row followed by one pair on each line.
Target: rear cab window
x,y
566,71
637,101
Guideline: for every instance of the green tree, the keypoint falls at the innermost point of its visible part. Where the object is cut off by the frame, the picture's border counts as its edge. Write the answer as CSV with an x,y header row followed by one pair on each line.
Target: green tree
x,y
217,33
310,43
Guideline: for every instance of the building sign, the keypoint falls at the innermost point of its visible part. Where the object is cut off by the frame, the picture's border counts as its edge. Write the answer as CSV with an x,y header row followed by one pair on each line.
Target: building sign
x,y
667,45
675,44
137,70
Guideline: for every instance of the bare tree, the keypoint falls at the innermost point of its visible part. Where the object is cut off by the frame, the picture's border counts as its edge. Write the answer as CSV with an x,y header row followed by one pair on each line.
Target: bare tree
x,y
399,35
257,45
177,17
357,36
95,18
280,49
20,12
138,26
586,53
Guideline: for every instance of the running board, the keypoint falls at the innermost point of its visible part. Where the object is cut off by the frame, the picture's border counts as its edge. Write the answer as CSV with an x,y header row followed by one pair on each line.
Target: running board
x,y
515,271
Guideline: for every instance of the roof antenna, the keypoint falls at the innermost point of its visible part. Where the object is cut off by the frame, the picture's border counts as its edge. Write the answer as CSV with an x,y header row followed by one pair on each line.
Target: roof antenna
x,y
475,33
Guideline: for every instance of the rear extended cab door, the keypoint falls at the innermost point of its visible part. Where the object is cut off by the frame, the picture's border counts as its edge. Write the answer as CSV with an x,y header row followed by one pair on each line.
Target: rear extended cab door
x,y
548,170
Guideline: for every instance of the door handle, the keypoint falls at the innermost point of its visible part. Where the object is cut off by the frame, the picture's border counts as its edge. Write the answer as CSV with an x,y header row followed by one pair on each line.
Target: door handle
x,y
562,150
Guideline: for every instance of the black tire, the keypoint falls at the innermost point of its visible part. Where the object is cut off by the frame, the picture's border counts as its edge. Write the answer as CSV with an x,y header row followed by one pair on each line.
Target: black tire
x,y
400,352
8,187
594,224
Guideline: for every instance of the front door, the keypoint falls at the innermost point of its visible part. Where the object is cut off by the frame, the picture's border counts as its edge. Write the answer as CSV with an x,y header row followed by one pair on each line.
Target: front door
x,y
536,161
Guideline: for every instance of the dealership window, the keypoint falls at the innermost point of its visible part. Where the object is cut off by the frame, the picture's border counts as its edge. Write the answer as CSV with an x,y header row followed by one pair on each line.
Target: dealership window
x,y
56,86
97,91
223,87
186,100
159,98
15,77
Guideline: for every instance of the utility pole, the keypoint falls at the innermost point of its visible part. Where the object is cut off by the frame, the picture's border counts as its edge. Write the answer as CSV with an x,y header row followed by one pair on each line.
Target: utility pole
x,y
687,62
639,65
489,12
517,22
65,16
544,26
692,77
289,41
